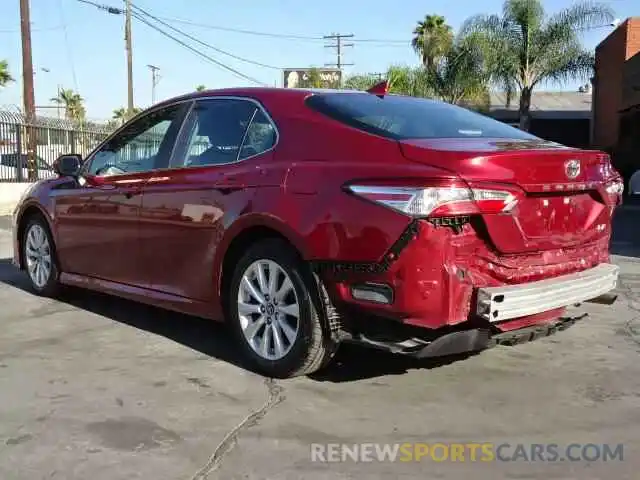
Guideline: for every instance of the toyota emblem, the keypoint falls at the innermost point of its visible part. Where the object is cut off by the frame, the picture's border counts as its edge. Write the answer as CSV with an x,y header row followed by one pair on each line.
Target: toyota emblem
x,y
572,169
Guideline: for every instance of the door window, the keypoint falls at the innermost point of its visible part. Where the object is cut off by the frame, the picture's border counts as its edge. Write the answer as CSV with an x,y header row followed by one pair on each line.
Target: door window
x,y
261,136
215,130
139,147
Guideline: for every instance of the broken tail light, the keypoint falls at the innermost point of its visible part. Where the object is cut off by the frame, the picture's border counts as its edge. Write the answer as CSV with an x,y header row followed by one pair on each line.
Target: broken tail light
x,y
440,200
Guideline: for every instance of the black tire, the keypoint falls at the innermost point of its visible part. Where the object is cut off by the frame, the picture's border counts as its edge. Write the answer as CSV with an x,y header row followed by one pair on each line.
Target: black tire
x,y
313,348
51,287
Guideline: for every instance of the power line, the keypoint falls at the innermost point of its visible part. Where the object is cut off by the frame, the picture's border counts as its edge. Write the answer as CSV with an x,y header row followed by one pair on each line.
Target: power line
x,y
338,45
196,51
204,44
243,31
44,29
68,45
141,18
284,36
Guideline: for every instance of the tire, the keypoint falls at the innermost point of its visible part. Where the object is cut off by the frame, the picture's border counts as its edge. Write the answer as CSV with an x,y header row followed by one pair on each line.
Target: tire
x,y
300,353
39,257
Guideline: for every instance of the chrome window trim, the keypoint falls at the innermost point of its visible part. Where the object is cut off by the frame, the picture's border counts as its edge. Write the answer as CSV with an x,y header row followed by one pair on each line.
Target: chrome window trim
x,y
194,100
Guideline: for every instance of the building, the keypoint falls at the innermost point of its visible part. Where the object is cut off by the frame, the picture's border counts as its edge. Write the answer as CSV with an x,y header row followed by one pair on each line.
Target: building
x,y
563,117
616,125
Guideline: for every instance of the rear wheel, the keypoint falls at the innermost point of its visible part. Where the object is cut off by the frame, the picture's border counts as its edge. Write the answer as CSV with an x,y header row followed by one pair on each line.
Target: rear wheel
x,y
39,257
273,313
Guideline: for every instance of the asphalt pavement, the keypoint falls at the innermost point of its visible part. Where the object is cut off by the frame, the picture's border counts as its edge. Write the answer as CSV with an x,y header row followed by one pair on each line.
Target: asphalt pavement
x,y
93,387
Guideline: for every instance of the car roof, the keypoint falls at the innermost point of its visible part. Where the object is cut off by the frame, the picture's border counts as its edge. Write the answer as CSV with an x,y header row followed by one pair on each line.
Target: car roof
x,y
258,93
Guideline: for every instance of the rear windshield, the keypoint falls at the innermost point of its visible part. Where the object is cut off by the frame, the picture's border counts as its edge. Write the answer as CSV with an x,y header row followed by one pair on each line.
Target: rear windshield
x,y
403,118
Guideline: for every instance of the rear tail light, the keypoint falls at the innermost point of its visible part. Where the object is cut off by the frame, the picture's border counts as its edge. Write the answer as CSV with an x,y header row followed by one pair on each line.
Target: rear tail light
x,y
440,200
616,187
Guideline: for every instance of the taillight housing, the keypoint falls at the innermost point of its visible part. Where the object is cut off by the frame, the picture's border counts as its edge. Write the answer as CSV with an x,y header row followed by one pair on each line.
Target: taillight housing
x,y
440,199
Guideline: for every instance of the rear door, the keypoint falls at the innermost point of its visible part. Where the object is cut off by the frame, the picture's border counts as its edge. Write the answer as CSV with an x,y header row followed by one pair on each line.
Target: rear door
x,y
217,160
97,222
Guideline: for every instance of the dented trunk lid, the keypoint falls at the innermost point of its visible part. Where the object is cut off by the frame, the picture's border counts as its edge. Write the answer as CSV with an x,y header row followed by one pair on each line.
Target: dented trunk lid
x,y
563,202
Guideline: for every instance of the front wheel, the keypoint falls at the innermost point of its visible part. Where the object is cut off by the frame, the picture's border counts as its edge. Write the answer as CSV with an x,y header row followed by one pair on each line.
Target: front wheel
x,y
273,314
39,257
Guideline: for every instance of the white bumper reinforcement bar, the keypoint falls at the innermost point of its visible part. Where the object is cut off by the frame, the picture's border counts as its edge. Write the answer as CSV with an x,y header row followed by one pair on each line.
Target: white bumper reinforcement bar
x,y
503,303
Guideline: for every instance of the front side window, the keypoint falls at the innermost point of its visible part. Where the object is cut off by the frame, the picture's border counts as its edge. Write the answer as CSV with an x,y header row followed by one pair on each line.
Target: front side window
x,y
138,147
215,130
403,118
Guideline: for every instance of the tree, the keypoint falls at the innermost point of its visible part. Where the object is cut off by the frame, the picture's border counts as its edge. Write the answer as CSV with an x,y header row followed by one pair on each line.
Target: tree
x,y
409,81
201,88
524,47
121,115
459,77
5,76
361,82
73,104
432,39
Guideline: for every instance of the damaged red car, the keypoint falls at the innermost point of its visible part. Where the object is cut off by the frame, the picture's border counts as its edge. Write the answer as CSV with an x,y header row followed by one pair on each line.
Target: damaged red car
x,y
308,218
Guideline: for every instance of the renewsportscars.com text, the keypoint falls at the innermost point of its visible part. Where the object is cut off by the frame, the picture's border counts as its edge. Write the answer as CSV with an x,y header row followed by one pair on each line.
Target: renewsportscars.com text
x,y
466,452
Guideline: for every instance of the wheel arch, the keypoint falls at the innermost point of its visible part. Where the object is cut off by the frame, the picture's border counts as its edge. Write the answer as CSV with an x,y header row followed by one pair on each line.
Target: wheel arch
x,y
242,233
28,212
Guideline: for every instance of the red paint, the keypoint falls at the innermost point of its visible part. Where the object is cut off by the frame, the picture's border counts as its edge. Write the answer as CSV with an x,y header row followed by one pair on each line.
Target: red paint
x,y
161,237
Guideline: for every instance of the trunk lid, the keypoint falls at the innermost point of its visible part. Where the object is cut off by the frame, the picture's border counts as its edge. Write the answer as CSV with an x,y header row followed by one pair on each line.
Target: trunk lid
x,y
563,202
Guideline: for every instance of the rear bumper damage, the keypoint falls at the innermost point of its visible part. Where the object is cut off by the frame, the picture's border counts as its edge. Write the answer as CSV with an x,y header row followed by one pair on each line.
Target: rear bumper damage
x,y
466,341
497,304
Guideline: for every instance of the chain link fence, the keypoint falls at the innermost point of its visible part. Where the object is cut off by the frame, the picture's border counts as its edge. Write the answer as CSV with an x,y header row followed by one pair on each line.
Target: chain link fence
x,y
28,150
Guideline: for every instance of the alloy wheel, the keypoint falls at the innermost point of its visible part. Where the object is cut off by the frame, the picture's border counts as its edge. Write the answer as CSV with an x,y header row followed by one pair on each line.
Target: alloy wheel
x,y
38,255
268,309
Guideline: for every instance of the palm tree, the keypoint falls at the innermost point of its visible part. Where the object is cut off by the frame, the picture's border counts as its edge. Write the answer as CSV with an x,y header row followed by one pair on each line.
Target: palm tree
x,y
73,104
201,88
409,81
524,47
5,76
361,82
460,77
121,115
432,38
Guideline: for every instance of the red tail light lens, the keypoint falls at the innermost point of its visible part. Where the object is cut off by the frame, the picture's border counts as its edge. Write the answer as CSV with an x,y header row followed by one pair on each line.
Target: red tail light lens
x,y
440,200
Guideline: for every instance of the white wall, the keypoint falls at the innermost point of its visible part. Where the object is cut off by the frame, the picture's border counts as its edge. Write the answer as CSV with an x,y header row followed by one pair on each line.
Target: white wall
x,y
10,194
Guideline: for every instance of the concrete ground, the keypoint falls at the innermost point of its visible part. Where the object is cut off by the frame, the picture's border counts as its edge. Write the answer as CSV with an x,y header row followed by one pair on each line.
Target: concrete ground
x,y
93,387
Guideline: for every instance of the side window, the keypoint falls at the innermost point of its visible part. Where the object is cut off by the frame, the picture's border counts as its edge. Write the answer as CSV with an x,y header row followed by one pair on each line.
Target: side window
x,y
215,130
261,136
136,148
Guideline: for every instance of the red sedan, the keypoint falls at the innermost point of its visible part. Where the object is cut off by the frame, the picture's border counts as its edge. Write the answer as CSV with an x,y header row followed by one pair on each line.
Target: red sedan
x,y
307,218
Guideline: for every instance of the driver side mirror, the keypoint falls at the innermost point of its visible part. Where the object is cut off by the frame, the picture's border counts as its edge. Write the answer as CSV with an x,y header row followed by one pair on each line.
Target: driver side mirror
x,y
67,165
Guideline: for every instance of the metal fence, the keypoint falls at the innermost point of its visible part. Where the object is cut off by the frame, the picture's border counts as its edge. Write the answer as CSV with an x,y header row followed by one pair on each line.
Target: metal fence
x,y
28,150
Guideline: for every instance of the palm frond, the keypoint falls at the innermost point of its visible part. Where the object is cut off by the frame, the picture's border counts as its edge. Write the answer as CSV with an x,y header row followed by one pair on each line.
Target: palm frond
x,y
582,16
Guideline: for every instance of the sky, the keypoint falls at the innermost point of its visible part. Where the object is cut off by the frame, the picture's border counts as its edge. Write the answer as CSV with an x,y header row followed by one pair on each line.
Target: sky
x,y
78,46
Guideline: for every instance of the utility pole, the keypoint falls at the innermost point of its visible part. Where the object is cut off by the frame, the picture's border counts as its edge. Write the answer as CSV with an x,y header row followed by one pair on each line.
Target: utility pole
x,y
127,40
27,90
154,81
336,43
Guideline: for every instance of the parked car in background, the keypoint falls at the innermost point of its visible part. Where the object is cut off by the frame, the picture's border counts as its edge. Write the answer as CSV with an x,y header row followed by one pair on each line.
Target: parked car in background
x,y
9,167
308,218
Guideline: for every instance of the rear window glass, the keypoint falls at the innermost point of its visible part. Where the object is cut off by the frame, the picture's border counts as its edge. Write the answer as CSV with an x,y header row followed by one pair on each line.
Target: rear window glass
x,y
402,118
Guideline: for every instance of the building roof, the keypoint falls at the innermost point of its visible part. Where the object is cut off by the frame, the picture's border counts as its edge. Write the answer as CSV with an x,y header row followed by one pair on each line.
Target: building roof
x,y
545,105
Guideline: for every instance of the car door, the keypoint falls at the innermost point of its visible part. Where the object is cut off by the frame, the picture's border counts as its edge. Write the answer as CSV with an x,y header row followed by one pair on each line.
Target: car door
x,y
185,210
97,222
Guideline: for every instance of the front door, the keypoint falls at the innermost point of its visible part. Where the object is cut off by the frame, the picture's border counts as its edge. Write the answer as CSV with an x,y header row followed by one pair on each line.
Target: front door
x,y
185,209
98,221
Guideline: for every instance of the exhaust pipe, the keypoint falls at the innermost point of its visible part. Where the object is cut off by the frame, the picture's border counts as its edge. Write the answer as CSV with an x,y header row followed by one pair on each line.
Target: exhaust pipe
x,y
605,299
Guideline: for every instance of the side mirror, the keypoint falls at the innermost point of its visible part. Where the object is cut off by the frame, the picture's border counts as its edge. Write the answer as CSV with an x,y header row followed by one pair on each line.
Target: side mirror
x,y
67,165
